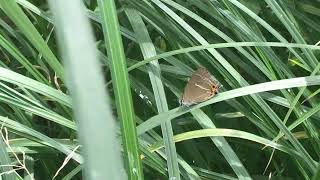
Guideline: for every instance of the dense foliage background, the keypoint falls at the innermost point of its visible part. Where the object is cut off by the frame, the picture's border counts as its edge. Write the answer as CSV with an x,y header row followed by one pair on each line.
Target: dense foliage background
x,y
164,42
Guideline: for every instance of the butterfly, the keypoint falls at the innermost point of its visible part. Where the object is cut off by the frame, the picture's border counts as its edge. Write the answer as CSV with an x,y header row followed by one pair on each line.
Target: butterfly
x,y
201,87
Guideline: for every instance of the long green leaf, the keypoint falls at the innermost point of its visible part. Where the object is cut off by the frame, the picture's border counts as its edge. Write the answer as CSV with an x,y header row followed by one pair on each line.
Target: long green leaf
x,y
90,103
148,50
121,86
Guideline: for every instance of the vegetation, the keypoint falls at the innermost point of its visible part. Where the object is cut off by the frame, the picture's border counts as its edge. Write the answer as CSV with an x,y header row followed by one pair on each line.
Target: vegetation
x,y
263,123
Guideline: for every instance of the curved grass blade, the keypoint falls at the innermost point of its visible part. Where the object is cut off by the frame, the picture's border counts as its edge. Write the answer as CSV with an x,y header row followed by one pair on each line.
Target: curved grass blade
x,y
221,45
227,133
262,87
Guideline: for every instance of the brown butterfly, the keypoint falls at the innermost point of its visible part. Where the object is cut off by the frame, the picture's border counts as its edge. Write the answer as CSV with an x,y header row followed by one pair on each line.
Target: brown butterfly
x,y
201,87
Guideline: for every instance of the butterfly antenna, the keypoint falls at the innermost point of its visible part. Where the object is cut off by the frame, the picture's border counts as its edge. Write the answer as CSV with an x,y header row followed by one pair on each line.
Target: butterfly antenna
x,y
219,85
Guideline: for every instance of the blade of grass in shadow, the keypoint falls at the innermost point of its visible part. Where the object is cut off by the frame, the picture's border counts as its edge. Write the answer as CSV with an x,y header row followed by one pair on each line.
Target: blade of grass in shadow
x,y
72,173
186,170
25,82
28,5
121,87
152,160
284,102
86,85
300,120
11,34
218,32
17,95
204,173
42,112
311,96
148,50
317,175
263,23
17,100
222,144
92,15
288,22
25,25
34,135
285,19
28,142
23,60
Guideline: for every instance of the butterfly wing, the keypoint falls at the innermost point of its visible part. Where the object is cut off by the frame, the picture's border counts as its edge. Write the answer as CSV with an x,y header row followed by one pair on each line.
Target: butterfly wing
x,y
198,88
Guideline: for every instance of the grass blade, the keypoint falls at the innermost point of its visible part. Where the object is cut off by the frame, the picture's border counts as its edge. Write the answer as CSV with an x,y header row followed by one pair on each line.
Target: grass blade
x,y
91,108
121,86
148,50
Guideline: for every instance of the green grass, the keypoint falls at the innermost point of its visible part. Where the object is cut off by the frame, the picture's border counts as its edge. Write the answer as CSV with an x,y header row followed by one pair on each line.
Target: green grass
x,y
264,122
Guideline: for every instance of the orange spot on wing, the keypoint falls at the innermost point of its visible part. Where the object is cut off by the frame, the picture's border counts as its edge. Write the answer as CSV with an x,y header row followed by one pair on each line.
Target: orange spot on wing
x,y
214,89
